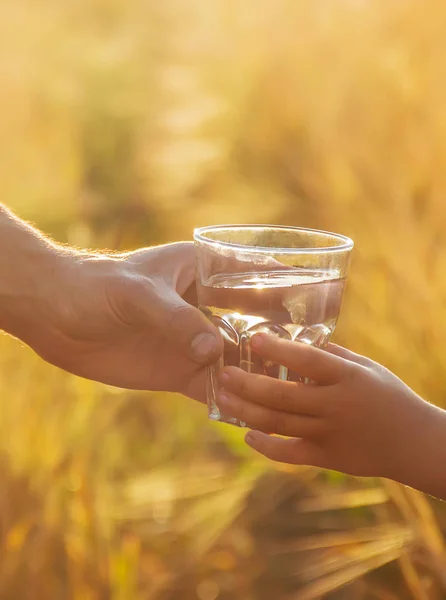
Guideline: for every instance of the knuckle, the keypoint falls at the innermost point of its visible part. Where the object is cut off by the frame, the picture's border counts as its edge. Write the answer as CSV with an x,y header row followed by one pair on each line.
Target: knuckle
x,y
352,371
357,375
178,315
278,398
239,410
233,407
279,424
282,399
187,249
243,385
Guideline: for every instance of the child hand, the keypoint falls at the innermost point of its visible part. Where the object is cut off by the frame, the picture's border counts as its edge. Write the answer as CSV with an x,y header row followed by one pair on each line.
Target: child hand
x,y
357,417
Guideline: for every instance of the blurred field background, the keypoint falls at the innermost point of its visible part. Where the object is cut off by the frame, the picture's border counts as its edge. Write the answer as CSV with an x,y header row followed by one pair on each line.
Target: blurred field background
x,y
129,123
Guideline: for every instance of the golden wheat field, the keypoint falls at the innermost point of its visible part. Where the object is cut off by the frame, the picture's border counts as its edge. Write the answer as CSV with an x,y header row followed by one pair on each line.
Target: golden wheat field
x,y
125,124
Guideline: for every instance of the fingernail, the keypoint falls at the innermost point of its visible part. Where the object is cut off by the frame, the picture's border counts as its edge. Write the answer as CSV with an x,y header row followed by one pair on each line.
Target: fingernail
x,y
225,377
250,438
257,341
203,346
223,398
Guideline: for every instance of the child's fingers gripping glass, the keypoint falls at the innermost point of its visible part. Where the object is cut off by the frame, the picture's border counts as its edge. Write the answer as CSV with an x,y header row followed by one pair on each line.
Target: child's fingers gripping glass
x,y
310,362
270,421
273,393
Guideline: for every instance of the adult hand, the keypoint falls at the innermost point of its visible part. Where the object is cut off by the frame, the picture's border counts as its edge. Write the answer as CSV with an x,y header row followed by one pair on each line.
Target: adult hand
x,y
128,320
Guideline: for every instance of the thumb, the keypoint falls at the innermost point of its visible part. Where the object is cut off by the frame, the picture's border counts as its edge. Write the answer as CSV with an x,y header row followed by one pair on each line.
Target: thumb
x,y
182,324
187,327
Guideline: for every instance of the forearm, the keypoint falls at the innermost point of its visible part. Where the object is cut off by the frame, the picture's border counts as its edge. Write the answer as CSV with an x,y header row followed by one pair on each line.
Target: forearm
x,y
424,455
30,266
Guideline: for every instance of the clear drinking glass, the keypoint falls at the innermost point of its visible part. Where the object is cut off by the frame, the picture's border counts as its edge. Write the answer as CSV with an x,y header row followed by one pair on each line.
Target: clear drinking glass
x,y
284,281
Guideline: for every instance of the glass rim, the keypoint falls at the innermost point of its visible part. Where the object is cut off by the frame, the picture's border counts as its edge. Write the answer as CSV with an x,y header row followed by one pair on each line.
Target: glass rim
x,y
346,243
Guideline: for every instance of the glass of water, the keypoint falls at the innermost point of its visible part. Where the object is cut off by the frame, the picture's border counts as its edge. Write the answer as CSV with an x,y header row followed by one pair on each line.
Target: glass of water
x,y
284,281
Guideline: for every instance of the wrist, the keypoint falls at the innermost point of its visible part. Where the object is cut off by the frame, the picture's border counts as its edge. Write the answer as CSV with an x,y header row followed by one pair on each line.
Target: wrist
x,y
30,287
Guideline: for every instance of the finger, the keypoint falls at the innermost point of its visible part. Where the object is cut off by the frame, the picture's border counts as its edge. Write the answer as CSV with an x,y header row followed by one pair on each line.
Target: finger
x,y
184,325
174,263
287,396
267,420
310,362
291,451
349,355
189,329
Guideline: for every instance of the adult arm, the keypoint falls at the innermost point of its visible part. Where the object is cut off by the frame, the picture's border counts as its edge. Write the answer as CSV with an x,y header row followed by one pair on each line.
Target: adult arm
x,y
128,320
